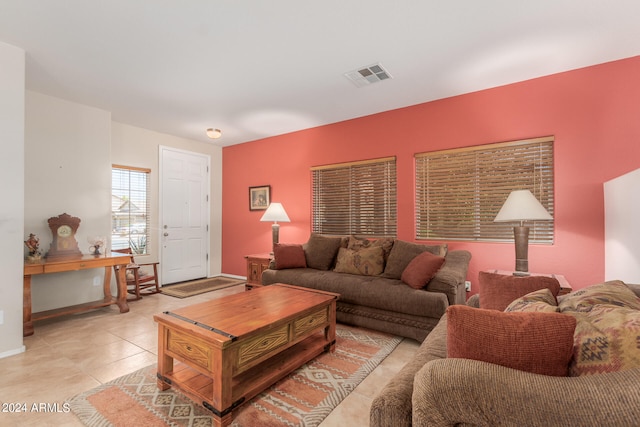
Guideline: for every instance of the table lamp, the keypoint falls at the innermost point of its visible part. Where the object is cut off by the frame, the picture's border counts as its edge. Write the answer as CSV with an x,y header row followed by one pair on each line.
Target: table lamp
x,y
521,206
275,212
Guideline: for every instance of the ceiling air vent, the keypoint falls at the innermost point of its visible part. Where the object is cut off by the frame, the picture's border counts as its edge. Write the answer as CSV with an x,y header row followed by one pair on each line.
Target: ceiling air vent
x,y
367,75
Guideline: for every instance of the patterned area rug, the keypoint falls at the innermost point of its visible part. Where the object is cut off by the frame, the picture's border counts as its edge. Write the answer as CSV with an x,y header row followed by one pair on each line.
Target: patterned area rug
x,y
304,398
196,287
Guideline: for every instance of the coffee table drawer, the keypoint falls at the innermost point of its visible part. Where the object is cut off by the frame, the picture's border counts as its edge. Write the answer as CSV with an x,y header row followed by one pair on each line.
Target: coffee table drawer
x,y
312,321
262,345
189,349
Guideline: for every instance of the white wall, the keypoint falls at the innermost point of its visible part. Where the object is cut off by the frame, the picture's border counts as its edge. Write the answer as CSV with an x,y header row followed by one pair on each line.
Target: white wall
x,y
67,147
622,228
133,146
69,152
12,75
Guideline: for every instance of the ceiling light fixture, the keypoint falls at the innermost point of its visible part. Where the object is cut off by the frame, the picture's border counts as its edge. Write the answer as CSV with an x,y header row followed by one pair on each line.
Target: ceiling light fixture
x,y
214,133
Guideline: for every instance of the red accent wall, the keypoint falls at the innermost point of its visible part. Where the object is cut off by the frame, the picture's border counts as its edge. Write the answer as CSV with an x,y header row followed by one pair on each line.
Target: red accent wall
x,y
594,114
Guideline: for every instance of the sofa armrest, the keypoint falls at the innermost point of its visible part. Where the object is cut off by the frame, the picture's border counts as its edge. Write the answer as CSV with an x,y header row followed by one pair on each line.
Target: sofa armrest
x,y
450,392
451,277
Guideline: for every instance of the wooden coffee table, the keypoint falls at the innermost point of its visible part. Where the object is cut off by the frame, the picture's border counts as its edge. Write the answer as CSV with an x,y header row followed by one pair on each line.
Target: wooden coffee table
x,y
230,349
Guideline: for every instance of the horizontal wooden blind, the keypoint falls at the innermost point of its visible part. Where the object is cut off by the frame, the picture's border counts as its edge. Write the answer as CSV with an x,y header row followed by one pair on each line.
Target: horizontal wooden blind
x,y
355,198
459,192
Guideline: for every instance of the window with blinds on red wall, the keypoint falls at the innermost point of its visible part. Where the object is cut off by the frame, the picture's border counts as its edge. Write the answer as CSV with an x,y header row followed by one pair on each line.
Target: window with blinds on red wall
x,y
460,191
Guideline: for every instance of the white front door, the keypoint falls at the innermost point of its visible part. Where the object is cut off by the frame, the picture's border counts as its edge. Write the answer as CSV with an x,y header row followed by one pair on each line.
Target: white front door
x,y
184,199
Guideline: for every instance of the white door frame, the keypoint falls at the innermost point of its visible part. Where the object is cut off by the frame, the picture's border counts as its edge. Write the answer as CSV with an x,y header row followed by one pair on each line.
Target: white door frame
x,y
161,231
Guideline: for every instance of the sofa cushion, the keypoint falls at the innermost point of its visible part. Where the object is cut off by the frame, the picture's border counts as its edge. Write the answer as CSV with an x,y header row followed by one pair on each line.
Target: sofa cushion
x,y
320,251
368,261
608,329
421,270
497,291
288,255
541,343
403,252
541,300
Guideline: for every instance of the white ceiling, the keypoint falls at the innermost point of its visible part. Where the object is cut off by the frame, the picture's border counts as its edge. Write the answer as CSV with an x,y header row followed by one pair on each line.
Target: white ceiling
x,y
257,68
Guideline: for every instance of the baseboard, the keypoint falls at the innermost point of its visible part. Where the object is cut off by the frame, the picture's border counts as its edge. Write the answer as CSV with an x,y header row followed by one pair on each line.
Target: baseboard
x,y
13,352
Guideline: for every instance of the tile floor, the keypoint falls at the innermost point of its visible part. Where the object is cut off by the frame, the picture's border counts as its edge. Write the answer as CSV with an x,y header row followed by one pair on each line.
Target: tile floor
x,y
72,354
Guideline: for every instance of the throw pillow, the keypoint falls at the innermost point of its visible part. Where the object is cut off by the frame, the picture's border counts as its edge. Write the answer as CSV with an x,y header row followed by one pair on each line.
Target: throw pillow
x,y
403,252
541,343
366,261
421,270
320,251
288,256
497,291
541,301
606,337
358,243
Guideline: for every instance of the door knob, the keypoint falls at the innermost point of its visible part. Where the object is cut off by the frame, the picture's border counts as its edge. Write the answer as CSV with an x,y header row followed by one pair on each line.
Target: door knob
x,y
166,234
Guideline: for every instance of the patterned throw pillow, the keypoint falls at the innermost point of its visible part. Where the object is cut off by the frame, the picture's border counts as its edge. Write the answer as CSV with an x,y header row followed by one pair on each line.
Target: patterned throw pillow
x,y
607,337
366,261
497,291
541,301
357,243
541,343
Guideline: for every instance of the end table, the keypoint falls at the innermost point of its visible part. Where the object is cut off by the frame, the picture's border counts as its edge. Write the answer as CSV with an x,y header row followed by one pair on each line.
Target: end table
x,y
256,264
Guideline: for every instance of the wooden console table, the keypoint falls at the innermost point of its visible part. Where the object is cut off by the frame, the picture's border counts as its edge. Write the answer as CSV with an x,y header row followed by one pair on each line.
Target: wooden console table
x,y
84,262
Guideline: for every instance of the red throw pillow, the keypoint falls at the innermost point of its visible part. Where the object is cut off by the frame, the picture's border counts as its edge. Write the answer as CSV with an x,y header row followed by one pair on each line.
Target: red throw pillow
x,y
421,269
289,256
541,343
497,291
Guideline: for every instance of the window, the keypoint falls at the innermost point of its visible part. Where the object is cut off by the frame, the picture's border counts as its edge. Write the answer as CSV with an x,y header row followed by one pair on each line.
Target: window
x,y
130,208
459,192
355,198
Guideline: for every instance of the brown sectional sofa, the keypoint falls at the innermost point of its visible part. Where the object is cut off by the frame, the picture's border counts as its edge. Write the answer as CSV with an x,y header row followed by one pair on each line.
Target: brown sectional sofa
x,y
382,301
433,390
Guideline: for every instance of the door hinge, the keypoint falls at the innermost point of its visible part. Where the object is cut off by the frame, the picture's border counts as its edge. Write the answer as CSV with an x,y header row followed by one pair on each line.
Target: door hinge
x,y
207,227
207,257
207,198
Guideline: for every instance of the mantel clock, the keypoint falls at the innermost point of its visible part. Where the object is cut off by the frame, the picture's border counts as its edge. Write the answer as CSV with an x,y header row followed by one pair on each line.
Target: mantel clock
x,y
64,244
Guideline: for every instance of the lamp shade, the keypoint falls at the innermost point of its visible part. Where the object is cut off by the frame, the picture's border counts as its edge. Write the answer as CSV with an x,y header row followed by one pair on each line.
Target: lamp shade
x,y
275,212
522,205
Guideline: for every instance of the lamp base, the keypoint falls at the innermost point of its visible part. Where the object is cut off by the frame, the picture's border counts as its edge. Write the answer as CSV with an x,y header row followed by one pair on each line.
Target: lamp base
x,y
521,237
275,235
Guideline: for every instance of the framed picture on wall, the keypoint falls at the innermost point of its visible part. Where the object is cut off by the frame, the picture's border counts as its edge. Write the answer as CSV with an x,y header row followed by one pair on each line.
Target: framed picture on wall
x,y
259,197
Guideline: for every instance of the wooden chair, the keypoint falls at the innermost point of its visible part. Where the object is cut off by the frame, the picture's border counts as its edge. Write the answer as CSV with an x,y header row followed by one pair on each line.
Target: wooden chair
x,y
140,280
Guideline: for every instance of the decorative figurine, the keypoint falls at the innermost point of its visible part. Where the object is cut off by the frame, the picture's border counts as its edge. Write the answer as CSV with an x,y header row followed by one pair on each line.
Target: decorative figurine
x,y
96,243
33,244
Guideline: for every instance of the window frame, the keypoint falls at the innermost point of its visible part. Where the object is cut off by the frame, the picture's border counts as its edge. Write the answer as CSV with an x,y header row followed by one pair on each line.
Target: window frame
x,y
458,192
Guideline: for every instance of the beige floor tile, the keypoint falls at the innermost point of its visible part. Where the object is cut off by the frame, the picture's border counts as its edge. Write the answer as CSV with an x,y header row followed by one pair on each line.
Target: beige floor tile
x,y
353,411
72,354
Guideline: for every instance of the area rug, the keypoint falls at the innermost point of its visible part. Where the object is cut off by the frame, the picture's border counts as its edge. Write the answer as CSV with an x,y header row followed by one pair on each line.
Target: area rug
x,y
196,287
303,398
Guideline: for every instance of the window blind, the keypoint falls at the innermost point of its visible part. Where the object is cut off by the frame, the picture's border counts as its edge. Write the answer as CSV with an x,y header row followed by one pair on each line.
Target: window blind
x,y
130,208
355,198
459,192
